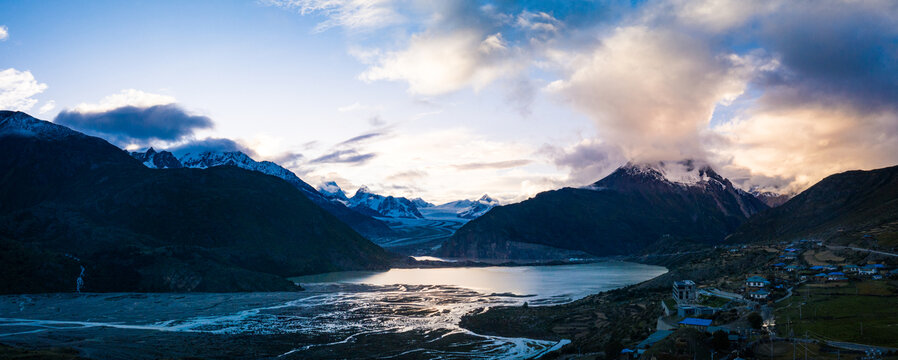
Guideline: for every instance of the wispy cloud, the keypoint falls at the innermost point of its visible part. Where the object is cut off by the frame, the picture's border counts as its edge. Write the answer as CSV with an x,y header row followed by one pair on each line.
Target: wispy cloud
x,y
350,14
360,138
4,33
47,107
507,164
350,156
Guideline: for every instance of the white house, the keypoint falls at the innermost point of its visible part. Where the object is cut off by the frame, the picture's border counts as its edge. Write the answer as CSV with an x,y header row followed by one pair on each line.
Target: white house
x,y
756,282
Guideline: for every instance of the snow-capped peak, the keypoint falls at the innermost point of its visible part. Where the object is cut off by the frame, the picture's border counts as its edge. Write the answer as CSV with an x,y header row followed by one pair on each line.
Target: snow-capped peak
x,y
157,160
22,124
486,199
378,205
333,192
207,159
363,190
684,172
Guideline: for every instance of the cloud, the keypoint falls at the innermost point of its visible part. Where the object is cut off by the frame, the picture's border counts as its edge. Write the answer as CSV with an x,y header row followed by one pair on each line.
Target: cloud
x,y
587,161
17,89
349,156
350,14
131,124
4,33
838,53
652,91
438,63
360,138
806,144
47,107
126,97
776,94
406,176
507,164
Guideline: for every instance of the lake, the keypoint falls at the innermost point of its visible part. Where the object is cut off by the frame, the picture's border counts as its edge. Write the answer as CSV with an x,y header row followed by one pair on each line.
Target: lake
x,y
570,282
401,313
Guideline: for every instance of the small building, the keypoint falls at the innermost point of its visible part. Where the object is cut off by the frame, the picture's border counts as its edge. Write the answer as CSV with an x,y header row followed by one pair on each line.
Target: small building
x,y
893,273
836,276
820,277
684,291
867,270
793,268
756,282
850,269
760,294
816,268
701,324
877,277
696,310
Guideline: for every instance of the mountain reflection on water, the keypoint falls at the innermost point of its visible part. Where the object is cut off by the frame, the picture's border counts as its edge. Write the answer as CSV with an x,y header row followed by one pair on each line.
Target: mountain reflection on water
x,y
401,313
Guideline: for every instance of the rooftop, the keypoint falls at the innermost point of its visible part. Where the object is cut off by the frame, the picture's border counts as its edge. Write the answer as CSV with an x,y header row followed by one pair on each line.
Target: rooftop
x,y
696,322
653,338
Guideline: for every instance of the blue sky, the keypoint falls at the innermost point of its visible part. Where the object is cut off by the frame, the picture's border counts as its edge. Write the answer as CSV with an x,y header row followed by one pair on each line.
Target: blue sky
x,y
456,99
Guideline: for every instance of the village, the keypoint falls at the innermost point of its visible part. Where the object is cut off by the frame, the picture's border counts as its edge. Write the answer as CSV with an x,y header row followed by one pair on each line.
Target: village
x,y
805,302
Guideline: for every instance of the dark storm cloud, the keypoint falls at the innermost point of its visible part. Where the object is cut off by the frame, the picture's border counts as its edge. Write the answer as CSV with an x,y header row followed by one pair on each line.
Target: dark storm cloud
x,y
350,156
843,53
133,124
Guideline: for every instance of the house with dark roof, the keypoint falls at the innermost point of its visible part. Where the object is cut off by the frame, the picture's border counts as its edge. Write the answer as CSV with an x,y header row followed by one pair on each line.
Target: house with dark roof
x,y
701,324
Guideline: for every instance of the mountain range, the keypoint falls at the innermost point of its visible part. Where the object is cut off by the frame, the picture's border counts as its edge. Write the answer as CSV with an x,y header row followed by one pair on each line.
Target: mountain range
x,y
365,224
637,208
368,202
72,202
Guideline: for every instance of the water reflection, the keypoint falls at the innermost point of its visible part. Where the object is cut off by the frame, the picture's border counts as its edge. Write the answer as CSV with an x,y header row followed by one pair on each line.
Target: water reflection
x,y
571,281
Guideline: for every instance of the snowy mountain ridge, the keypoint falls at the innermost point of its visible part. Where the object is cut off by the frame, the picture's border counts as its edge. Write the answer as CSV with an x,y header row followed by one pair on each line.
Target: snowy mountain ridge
x,y
469,209
684,172
207,159
21,124
389,206
157,160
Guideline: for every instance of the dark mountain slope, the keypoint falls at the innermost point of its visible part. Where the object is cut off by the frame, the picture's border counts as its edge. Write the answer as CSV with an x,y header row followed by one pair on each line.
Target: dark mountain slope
x,y
369,227
848,202
635,209
64,195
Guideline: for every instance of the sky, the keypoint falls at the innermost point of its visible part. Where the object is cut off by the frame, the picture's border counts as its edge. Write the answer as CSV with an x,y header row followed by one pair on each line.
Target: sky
x,y
453,99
